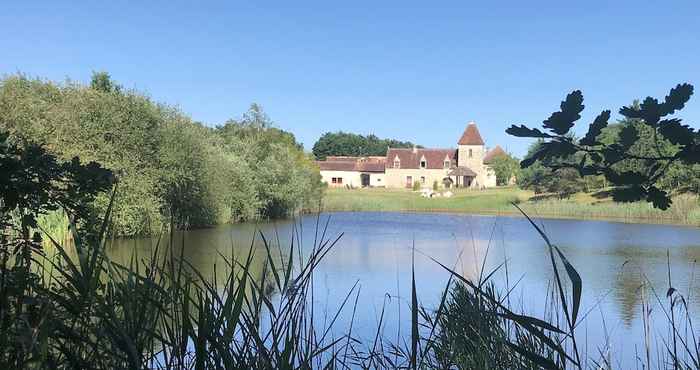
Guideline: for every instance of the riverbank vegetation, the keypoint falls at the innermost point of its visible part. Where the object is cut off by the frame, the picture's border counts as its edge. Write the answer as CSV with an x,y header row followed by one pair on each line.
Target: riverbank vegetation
x,y
79,309
649,155
498,201
171,169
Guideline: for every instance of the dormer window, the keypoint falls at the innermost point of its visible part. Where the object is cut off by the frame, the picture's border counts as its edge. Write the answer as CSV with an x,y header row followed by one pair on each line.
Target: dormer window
x,y
446,164
423,162
397,162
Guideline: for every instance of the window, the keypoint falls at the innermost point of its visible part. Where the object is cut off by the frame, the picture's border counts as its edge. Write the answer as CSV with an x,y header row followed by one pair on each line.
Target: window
x,y
397,163
409,181
446,164
470,153
423,164
422,179
334,180
340,180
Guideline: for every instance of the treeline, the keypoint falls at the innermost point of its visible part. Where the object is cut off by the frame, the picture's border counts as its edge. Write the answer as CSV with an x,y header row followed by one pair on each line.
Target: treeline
x,y
643,142
349,144
169,168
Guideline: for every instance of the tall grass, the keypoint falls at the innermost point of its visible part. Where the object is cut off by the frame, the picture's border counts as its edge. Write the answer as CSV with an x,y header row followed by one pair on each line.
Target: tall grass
x,y
684,210
82,310
88,312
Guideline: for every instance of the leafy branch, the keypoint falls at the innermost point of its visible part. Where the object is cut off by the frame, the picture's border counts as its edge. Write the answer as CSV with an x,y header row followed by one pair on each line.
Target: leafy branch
x,y
590,156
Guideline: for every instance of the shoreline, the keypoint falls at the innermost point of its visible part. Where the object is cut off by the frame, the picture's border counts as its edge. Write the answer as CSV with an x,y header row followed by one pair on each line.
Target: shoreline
x,y
516,214
497,202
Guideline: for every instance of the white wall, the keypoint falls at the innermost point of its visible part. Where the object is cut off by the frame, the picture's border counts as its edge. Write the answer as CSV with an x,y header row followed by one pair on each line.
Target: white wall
x,y
476,161
351,178
490,180
377,179
396,178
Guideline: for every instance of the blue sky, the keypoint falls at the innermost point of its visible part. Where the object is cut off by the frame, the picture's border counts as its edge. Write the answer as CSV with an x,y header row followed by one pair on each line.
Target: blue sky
x,y
414,72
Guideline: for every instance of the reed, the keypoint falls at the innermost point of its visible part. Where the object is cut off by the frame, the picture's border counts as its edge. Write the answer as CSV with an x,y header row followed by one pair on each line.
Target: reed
x,y
79,309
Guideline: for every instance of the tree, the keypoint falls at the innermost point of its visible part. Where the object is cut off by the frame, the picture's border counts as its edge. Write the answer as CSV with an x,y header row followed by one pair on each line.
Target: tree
x,y
171,169
542,178
506,167
348,144
595,157
284,179
102,81
679,176
35,182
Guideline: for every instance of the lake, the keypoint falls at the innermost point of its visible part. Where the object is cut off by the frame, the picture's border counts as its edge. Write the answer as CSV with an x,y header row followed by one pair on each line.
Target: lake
x,y
613,259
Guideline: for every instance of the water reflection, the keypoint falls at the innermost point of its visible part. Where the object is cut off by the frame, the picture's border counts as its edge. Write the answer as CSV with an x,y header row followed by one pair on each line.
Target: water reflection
x,y
614,260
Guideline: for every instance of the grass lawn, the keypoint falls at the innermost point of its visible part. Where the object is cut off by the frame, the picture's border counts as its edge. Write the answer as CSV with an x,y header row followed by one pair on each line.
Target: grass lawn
x,y
685,209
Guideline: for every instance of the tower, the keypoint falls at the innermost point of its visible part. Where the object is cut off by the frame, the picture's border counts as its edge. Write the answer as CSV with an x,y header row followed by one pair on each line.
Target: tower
x,y
470,149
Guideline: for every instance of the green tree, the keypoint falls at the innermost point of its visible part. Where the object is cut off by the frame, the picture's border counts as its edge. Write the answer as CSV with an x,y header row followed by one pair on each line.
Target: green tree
x,y
35,182
506,167
285,179
170,168
678,177
348,144
595,157
542,177
102,81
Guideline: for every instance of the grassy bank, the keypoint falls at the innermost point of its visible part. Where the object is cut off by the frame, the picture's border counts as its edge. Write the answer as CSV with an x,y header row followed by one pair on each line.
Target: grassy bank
x,y
685,209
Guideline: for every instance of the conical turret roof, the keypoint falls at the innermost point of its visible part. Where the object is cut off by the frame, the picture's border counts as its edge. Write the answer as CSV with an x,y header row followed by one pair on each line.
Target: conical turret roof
x,y
471,136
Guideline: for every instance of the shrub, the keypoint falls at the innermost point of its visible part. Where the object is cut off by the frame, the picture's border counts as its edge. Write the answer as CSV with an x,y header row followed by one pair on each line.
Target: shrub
x,y
416,185
171,170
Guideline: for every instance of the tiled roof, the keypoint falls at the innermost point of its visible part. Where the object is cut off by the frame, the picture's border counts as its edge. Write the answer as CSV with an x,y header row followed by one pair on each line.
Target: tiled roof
x,y
493,153
462,171
339,158
336,166
410,158
361,164
471,136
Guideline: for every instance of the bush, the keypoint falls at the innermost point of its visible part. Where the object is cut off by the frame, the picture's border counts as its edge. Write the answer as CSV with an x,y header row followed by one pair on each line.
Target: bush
x,y
170,169
416,185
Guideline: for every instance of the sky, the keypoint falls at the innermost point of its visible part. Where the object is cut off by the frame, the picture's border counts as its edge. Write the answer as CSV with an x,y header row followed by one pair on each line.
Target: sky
x,y
410,71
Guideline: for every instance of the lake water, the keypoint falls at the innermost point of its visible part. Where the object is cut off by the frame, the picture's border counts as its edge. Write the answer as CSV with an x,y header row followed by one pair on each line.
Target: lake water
x,y
613,259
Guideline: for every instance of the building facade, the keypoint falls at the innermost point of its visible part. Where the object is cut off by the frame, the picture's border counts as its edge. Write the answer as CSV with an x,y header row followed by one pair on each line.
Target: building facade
x,y
464,166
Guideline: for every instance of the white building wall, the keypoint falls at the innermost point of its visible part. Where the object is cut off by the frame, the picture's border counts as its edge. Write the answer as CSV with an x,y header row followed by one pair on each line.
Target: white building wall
x,y
396,178
377,179
476,161
490,180
351,178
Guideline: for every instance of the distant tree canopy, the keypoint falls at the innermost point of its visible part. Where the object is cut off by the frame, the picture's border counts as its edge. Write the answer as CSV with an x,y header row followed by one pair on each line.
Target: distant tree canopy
x,y
348,144
170,169
638,157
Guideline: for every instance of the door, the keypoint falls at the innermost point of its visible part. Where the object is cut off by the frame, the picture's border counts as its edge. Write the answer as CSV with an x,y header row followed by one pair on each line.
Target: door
x,y
468,181
409,181
364,179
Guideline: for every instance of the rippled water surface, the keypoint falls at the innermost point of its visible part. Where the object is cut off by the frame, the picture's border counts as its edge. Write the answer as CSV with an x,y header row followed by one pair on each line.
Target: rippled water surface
x,y
614,259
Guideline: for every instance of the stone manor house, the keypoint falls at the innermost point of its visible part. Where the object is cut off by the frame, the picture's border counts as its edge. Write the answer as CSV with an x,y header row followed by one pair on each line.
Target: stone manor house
x,y
466,166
